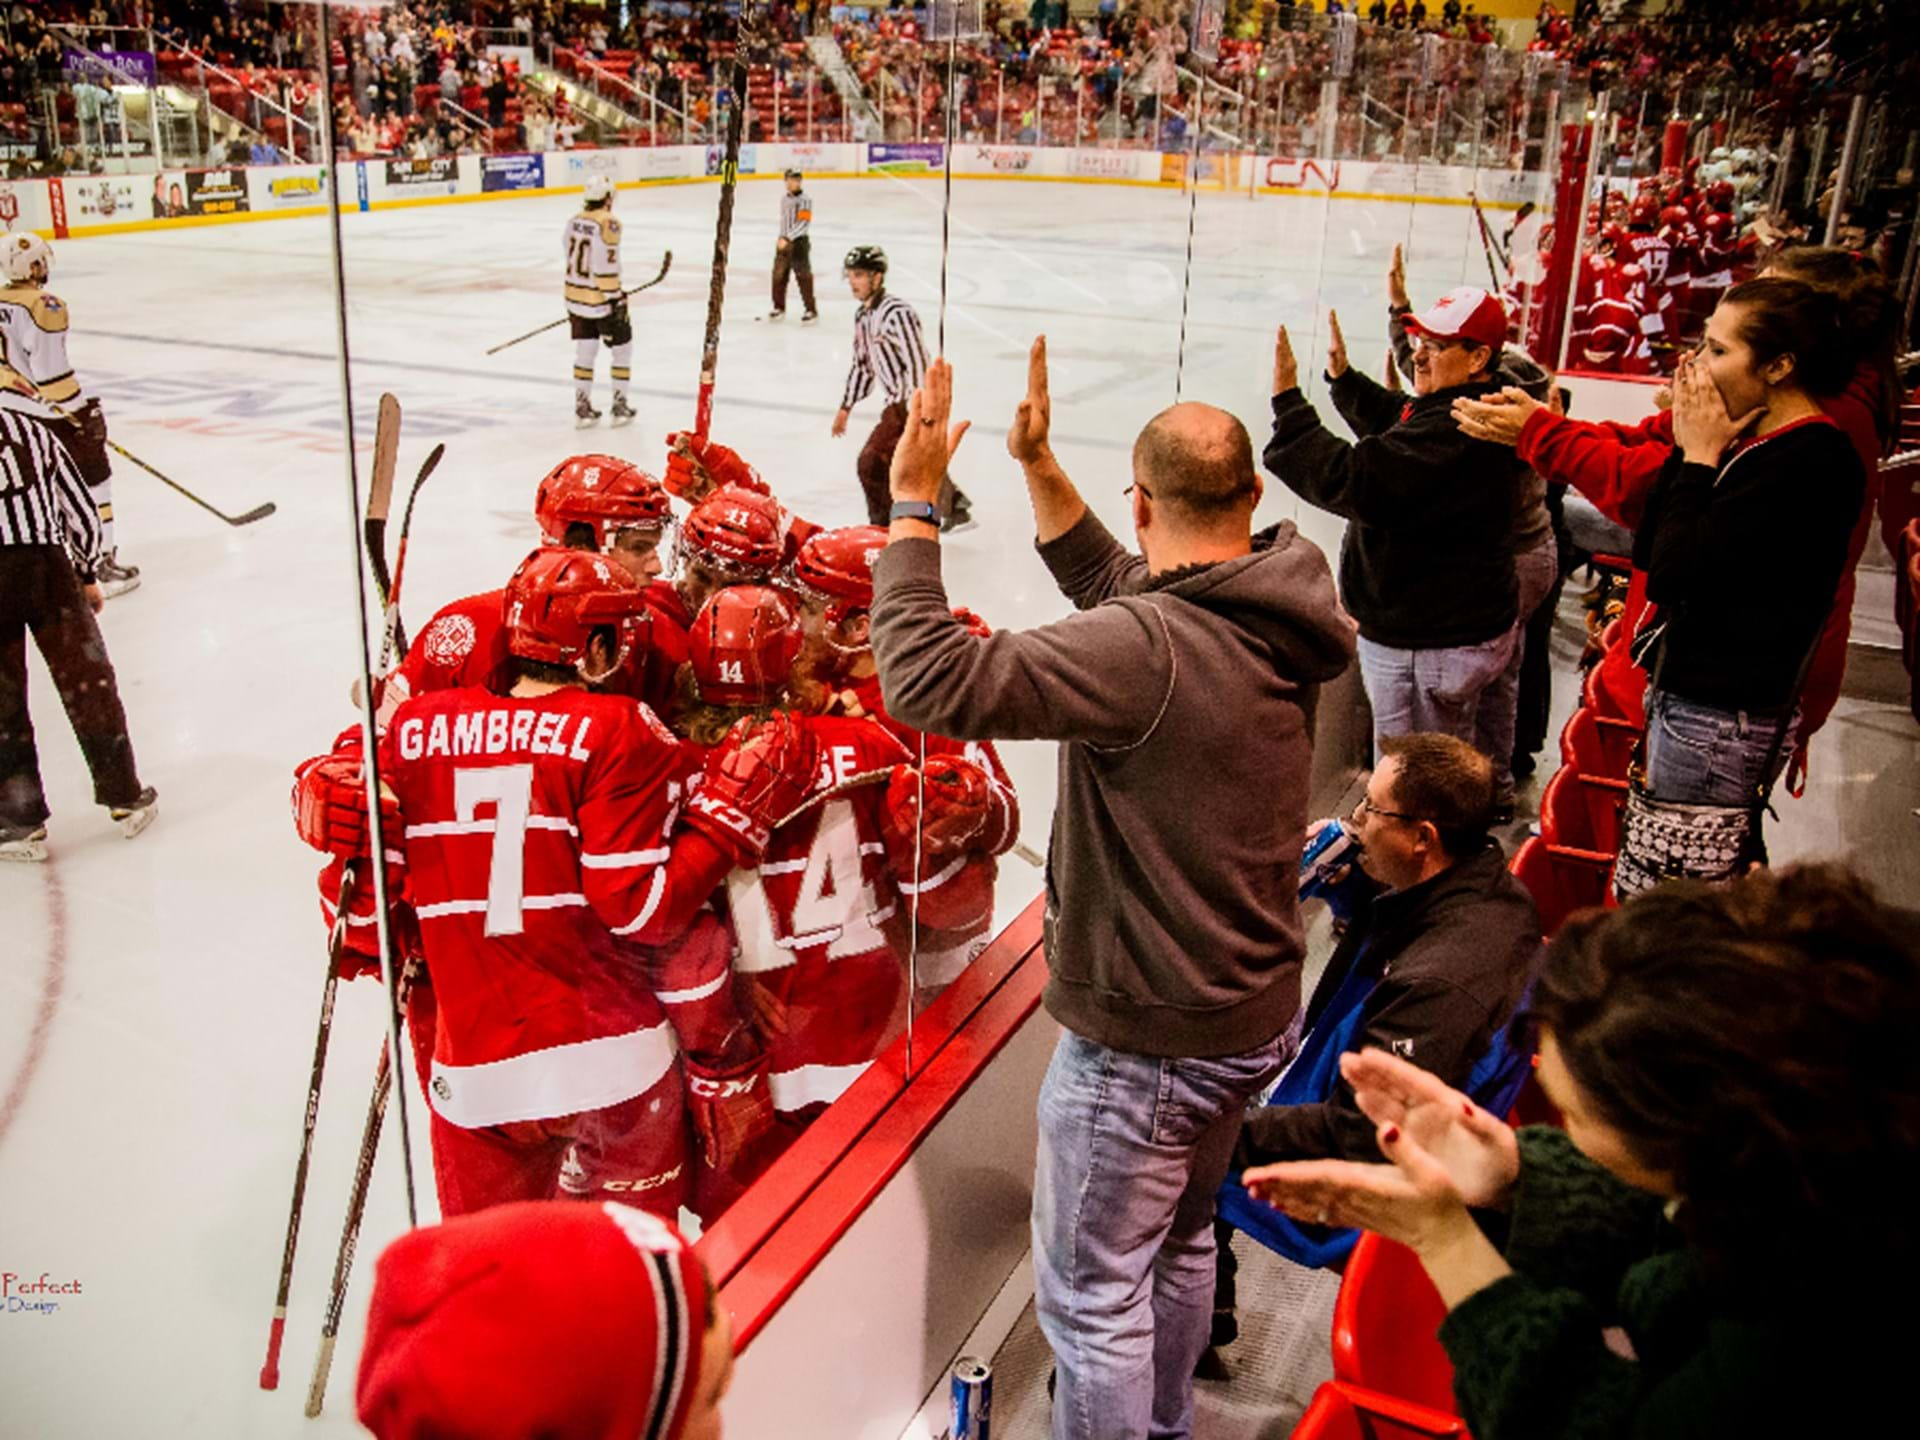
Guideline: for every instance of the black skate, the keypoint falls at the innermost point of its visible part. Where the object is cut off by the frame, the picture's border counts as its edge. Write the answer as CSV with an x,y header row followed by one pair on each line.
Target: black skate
x,y
810,317
623,413
134,818
583,413
26,843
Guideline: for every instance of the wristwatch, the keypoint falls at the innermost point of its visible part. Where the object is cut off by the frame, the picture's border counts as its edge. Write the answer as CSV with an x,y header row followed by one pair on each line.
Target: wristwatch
x,y
915,510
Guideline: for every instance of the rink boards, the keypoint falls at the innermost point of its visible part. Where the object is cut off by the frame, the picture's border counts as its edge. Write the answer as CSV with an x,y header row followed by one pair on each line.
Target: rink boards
x,y
78,205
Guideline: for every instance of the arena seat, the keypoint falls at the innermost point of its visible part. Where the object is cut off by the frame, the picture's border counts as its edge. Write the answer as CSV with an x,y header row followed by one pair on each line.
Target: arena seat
x,y
1598,745
1562,879
1348,1412
1386,1321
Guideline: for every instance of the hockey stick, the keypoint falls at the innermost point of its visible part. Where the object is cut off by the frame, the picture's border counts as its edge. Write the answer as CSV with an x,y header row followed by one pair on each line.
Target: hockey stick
x,y
666,264
270,1369
393,637
386,454
259,512
1488,245
722,241
356,1204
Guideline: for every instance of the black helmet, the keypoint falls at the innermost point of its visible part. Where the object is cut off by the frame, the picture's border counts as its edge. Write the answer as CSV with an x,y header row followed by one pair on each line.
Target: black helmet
x,y
866,257
793,174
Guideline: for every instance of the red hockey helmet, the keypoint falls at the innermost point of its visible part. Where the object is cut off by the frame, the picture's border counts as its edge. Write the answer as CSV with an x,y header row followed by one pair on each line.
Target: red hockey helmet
x,y
1613,236
1674,216
737,532
1719,229
743,645
603,491
1720,194
1644,213
835,567
558,598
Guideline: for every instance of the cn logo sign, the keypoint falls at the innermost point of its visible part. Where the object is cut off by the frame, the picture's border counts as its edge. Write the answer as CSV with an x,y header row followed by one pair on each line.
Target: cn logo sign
x,y
1287,174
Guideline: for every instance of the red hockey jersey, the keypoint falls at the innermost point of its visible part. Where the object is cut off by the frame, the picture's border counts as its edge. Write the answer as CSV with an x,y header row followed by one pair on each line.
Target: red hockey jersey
x,y
819,924
537,833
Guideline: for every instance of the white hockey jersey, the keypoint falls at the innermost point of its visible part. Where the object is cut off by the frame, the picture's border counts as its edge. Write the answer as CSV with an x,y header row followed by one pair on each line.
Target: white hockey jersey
x,y
593,263
33,342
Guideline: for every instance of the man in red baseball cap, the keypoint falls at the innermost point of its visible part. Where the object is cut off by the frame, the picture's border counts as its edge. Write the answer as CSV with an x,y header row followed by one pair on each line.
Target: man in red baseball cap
x,y
548,1318
1426,568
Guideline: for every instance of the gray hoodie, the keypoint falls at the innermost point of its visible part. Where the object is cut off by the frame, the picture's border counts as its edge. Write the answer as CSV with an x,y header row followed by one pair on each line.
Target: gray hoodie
x,y
1184,707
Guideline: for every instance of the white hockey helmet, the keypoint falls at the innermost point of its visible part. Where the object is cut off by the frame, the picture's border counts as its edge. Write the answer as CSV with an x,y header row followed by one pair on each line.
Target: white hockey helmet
x,y
599,189
22,251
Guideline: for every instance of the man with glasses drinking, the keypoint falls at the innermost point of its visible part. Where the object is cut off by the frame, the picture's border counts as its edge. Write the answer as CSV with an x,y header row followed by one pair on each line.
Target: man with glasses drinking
x,y
1429,969
1427,564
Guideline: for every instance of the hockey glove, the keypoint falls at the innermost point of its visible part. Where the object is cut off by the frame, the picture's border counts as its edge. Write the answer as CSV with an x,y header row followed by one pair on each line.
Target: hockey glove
x,y
732,1112
964,810
758,778
330,805
696,468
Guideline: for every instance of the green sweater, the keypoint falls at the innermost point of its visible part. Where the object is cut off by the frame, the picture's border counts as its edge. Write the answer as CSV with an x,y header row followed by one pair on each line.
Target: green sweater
x,y
1589,1252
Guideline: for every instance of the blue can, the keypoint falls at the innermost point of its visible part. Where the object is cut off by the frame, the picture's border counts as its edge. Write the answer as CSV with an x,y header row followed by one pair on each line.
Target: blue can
x,y
1326,853
972,1399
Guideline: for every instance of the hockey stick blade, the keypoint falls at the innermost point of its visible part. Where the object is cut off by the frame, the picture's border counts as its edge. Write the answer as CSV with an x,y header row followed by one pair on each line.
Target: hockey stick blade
x,y
259,512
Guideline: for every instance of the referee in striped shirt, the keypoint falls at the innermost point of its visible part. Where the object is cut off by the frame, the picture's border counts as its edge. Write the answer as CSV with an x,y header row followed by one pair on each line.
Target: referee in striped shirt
x,y
793,252
50,542
887,346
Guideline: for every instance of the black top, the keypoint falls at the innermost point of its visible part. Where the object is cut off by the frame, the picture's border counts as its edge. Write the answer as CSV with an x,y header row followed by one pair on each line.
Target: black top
x,y
1428,559
1451,956
1744,562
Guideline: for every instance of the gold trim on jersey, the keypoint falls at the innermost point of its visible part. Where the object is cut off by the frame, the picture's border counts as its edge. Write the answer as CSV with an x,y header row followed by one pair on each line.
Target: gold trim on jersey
x,y
47,311
588,295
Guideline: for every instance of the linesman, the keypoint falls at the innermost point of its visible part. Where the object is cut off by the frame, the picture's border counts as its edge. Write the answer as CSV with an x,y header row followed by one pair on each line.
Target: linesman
x,y
887,346
50,553
793,252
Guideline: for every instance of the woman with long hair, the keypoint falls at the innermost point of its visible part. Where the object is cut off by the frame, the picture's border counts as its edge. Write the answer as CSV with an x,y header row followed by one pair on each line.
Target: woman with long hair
x,y
1733,1188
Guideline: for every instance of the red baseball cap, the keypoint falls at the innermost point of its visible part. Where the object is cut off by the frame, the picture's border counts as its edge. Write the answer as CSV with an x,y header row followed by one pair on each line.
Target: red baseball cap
x,y
1464,313
557,1318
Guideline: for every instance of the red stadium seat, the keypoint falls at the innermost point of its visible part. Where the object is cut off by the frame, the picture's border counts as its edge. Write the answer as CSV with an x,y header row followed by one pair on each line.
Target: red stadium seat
x,y
1562,879
1386,1322
1582,812
1596,744
1347,1412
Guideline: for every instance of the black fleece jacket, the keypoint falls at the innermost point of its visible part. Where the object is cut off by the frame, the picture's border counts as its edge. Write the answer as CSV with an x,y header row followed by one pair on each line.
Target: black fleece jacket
x,y
1428,557
1452,955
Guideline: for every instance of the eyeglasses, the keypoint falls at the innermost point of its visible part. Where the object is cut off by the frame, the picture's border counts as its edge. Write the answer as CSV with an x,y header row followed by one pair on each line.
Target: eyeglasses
x,y
1439,346
1136,485
1366,807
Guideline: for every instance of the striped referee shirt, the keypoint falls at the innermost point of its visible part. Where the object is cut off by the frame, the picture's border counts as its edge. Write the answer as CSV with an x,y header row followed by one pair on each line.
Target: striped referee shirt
x,y
887,345
796,213
43,500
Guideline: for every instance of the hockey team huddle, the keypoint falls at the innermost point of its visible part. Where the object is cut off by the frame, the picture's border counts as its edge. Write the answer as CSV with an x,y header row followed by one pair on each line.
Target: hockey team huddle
x,y
1656,266
661,869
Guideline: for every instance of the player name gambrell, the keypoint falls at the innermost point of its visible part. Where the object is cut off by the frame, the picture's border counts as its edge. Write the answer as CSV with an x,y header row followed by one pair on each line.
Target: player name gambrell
x,y
495,732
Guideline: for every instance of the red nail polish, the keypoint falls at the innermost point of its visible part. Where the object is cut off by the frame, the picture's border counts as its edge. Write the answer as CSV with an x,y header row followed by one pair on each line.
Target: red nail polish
x,y
1393,1134
1467,1109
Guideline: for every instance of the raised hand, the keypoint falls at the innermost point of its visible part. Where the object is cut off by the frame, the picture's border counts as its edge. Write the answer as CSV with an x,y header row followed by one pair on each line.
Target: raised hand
x,y
1286,370
921,458
1033,420
1702,428
1336,346
1397,282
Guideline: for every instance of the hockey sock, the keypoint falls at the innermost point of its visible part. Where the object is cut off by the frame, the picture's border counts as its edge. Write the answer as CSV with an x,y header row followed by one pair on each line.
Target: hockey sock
x,y
584,352
622,369
103,502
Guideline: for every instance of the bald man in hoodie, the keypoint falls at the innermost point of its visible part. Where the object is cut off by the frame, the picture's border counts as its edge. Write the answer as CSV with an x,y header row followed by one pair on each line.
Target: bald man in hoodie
x,y
1182,696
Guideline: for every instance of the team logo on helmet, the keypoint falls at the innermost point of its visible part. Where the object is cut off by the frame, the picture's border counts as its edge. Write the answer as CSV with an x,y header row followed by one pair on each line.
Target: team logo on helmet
x,y
449,640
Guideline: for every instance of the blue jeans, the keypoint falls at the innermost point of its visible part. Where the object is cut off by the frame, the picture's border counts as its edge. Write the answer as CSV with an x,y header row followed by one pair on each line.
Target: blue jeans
x,y
1132,1151
1706,755
1420,691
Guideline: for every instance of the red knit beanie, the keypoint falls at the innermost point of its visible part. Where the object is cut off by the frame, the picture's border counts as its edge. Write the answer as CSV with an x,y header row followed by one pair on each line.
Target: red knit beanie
x,y
553,1318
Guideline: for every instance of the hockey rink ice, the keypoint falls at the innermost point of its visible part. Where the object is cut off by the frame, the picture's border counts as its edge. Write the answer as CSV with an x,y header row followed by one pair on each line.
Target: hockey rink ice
x,y
158,996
